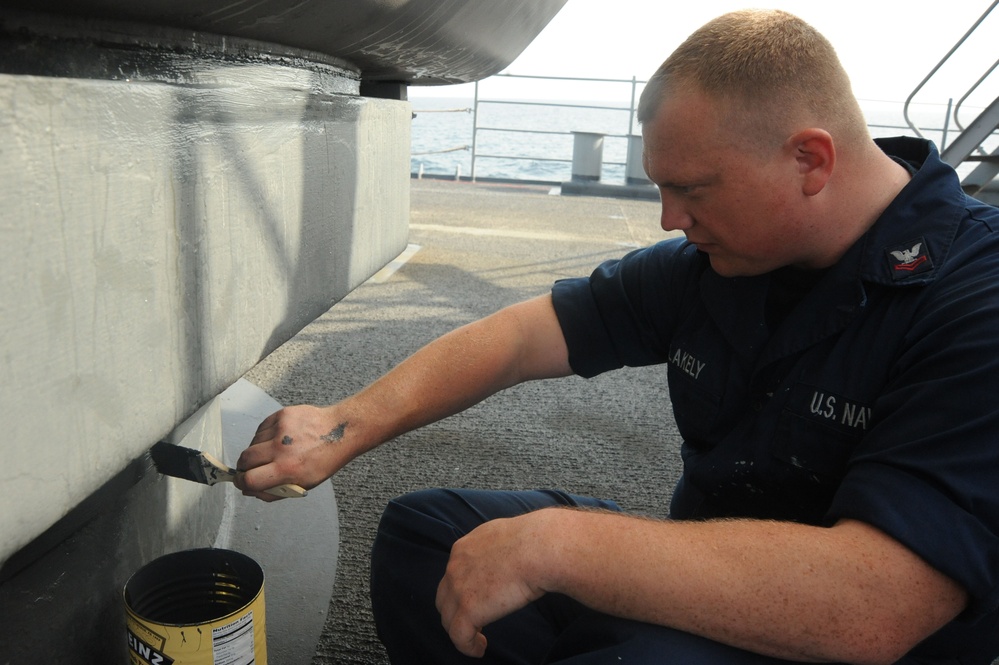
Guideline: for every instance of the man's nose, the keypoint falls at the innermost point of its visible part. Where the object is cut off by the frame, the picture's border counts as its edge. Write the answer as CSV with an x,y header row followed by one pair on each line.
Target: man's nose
x,y
674,216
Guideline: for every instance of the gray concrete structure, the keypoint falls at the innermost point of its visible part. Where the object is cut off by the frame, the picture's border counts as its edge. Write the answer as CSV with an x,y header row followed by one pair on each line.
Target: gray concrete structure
x,y
183,187
159,239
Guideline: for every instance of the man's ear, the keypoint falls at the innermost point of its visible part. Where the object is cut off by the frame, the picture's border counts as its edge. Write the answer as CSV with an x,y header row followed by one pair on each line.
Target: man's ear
x,y
815,156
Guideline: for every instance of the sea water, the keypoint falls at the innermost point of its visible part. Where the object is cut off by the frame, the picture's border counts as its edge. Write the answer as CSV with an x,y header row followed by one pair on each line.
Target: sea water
x,y
519,141
533,140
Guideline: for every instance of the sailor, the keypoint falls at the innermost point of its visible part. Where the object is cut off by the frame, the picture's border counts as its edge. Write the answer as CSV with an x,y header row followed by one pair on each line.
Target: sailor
x,y
828,326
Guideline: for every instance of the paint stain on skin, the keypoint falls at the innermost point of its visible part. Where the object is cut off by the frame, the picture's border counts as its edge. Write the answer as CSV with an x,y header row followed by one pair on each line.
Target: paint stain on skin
x,y
287,440
336,433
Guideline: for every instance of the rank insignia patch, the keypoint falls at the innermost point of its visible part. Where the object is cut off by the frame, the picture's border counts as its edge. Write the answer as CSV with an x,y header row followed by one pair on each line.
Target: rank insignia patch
x,y
908,259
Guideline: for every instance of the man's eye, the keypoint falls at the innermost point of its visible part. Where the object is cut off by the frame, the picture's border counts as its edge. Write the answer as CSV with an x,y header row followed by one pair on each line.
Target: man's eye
x,y
683,190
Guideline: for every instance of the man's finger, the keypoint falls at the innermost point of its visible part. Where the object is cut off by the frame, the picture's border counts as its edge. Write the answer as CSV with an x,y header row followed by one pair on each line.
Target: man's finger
x,y
256,455
468,639
465,636
264,433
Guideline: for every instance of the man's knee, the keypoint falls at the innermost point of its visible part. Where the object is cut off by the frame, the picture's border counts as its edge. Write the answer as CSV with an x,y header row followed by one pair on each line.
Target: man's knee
x,y
431,517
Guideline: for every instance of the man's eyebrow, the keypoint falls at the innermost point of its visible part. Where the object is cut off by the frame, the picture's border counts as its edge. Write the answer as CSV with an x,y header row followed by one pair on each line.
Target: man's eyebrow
x,y
682,184
680,181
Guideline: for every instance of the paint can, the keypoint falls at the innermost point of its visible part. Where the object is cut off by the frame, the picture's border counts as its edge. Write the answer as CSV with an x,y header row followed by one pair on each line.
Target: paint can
x,y
197,607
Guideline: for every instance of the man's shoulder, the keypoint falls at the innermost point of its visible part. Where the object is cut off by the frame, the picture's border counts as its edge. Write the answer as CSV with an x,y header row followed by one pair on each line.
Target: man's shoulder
x,y
674,252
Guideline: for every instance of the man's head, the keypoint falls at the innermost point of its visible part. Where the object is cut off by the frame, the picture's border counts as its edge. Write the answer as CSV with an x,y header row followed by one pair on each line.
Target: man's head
x,y
744,126
769,68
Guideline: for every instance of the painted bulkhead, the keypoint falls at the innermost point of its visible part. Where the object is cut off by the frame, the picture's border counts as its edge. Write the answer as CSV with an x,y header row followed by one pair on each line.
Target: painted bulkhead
x,y
183,187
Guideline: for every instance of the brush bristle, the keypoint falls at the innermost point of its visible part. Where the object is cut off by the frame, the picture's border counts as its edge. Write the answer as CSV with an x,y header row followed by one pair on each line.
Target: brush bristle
x,y
179,462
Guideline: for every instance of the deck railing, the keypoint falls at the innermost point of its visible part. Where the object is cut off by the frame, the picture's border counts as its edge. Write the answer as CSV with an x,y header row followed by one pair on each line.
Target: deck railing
x,y
938,128
480,101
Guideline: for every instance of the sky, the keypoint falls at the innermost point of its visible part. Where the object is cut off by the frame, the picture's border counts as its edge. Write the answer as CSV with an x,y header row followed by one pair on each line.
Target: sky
x,y
886,46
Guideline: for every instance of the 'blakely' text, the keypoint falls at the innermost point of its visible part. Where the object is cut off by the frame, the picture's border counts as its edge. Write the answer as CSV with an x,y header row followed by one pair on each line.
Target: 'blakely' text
x,y
687,363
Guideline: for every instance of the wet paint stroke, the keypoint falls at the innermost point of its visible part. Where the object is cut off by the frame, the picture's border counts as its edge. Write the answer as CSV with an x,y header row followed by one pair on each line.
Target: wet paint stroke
x,y
336,433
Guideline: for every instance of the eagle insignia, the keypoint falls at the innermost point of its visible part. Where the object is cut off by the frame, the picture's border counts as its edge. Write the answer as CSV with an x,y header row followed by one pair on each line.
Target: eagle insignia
x,y
908,259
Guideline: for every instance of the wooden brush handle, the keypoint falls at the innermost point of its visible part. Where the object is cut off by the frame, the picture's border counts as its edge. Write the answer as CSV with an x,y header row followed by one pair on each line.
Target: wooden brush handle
x,y
288,491
226,473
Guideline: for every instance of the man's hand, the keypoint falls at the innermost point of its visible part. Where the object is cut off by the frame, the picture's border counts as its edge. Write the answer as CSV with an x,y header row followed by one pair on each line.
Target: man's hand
x,y
489,575
298,444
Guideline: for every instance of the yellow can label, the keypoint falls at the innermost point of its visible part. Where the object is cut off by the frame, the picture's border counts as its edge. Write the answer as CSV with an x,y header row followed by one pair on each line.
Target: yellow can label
x,y
238,639
145,647
232,644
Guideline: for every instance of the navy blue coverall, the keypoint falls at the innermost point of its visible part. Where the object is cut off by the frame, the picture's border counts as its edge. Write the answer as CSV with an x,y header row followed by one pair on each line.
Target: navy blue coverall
x,y
870,395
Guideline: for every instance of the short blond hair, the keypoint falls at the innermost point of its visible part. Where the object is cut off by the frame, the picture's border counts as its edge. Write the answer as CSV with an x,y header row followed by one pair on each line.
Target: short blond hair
x,y
769,65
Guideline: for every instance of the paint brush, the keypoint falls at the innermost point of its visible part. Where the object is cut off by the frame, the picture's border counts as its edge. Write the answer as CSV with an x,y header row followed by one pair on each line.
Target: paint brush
x,y
189,464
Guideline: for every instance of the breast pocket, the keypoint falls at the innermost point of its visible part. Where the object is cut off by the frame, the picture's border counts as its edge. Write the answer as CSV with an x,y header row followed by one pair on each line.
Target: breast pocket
x,y
817,433
810,450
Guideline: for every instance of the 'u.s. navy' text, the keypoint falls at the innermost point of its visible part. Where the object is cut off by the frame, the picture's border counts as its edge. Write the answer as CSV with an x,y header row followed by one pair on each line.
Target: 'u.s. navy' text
x,y
840,410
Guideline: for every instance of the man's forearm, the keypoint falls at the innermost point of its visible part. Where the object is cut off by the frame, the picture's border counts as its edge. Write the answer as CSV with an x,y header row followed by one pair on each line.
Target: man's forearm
x,y
466,366
845,594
